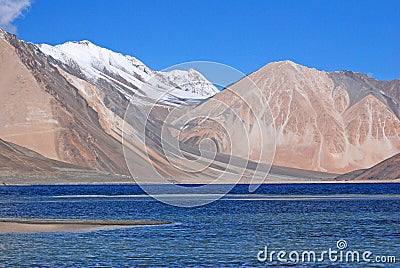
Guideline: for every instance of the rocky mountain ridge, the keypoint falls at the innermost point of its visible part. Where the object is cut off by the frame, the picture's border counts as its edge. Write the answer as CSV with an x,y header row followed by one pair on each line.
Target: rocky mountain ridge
x,y
69,103
335,122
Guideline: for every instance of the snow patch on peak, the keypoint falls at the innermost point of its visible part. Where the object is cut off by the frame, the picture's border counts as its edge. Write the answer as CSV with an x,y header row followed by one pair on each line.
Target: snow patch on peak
x,y
100,63
94,61
188,80
289,63
286,62
2,33
89,54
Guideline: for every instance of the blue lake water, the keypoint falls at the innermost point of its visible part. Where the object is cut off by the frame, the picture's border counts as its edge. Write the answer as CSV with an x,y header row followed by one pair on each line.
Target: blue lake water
x,y
228,232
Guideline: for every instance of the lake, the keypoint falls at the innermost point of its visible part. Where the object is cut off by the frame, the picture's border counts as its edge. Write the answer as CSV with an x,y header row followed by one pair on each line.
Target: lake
x,y
237,230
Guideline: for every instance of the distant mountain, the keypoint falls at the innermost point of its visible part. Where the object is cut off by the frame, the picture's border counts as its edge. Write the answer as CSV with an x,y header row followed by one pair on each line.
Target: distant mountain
x,y
44,111
388,169
125,73
335,122
69,103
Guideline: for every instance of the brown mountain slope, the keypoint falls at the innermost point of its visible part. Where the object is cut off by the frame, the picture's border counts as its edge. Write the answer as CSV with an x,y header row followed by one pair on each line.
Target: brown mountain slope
x,y
72,110
388,169
42,111
19,165
334,122
15,159
54,109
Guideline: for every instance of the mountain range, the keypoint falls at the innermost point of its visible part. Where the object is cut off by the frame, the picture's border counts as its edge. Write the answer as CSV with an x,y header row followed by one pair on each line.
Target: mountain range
x,y
73,105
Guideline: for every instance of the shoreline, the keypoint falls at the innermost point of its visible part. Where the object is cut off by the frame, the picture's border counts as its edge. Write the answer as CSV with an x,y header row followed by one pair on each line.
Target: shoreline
x,y
34,225
2,184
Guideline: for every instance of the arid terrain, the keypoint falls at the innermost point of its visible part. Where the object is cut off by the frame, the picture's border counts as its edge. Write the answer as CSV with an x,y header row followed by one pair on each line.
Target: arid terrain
x,y
65,119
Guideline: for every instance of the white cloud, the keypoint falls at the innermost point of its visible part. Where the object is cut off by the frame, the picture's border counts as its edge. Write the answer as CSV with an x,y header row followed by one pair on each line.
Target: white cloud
x,y
11,10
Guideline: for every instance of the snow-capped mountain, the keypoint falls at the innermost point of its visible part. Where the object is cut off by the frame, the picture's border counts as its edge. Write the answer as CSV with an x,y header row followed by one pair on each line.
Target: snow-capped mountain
x,y
72,98
129,74
69,103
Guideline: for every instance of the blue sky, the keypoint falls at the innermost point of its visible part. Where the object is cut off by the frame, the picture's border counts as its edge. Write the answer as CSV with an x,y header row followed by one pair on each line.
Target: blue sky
x,y
362,36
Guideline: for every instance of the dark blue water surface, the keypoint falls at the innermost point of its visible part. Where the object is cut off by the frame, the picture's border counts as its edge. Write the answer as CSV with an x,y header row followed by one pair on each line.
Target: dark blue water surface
x,y
228,232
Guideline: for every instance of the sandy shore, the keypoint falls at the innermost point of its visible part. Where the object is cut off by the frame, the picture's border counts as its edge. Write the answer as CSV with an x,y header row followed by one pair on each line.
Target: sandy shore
x,y
19,225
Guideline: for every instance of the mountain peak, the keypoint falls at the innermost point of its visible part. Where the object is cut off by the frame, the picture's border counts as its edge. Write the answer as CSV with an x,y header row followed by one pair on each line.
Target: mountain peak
x,y
283,68
72,108
289,62
284,65
98,63
85,42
